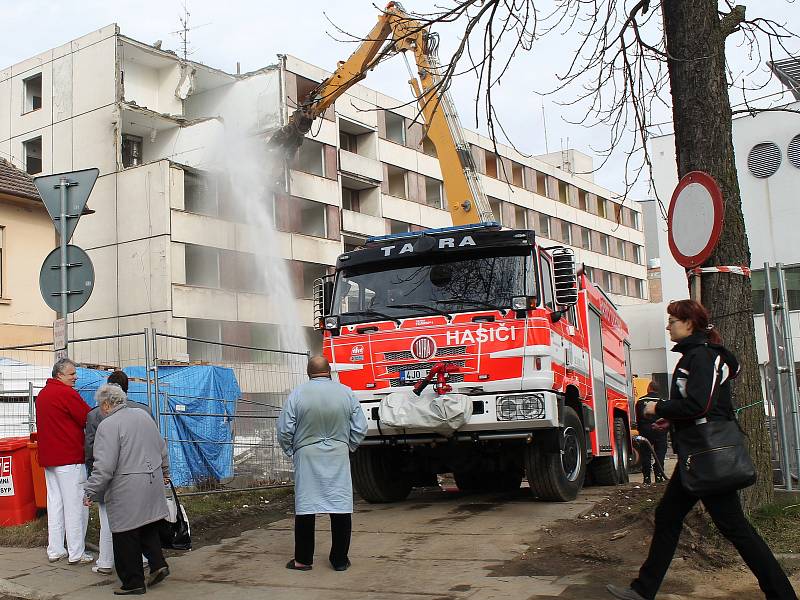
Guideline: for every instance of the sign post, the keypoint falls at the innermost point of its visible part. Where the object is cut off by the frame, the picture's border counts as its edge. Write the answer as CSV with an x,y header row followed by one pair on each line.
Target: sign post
x,y
694,222
65,209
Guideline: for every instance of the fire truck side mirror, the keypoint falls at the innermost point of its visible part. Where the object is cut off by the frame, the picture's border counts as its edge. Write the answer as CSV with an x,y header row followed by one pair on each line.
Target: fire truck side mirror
x,y
565,276
323,299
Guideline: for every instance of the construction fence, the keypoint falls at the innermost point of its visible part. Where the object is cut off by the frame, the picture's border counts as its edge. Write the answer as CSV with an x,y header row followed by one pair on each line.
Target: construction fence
x,y
215,404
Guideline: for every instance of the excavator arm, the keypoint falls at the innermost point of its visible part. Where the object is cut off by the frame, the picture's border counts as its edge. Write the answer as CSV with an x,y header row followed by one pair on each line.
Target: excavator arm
x,y
396,32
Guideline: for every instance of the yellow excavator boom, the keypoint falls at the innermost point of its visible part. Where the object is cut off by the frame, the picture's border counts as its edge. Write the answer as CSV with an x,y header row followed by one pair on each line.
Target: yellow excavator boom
x,y
397,32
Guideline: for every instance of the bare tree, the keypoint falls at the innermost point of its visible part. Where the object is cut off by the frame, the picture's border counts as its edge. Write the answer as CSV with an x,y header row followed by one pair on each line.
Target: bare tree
x,y
626,56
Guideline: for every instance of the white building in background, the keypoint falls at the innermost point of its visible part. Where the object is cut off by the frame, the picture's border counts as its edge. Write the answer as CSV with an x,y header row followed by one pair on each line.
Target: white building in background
x,y
174,251
767,147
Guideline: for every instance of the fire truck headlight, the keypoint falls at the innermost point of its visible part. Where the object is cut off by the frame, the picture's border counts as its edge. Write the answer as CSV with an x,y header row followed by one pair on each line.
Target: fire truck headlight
x,y
519,303
520,407
331,323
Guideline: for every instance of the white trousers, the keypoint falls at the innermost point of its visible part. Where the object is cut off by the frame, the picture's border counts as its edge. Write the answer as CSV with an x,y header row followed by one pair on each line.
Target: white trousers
x,y
66,514
106,558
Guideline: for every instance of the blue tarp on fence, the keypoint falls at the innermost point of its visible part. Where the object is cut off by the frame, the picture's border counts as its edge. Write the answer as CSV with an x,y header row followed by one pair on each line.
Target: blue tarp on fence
x,y
200,445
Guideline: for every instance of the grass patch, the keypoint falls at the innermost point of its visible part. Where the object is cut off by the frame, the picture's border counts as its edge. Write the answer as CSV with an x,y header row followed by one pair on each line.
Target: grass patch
x,y
779,525
203,511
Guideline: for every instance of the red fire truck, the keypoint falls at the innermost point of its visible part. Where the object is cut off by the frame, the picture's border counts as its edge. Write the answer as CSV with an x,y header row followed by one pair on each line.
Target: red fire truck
x,y
532,354
540,352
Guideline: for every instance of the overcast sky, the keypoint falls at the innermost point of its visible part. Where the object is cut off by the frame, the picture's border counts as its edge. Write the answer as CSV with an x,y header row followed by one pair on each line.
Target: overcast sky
x,y
254,32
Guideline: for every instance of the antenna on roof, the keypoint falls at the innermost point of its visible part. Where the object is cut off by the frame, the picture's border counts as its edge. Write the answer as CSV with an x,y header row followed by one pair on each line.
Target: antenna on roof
x,y
183,32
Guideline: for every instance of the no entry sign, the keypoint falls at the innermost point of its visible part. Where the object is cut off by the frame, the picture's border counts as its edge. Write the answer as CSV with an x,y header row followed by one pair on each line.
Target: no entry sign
x,y
694,219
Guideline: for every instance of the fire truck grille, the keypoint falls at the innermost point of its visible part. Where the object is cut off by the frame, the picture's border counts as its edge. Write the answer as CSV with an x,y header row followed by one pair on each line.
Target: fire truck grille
x,y
406,354
421,365
454,378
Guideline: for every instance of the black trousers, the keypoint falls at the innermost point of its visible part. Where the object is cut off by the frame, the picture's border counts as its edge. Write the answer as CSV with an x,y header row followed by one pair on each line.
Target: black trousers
x,y
659,443
341,528
128,549
726,512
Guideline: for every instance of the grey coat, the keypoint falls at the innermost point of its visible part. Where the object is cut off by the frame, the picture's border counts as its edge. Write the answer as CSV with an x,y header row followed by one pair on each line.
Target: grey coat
x,y
93,420
130,463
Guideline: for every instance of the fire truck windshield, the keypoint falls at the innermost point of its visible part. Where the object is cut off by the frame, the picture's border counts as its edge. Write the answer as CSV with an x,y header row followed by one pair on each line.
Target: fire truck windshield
x,y
419,286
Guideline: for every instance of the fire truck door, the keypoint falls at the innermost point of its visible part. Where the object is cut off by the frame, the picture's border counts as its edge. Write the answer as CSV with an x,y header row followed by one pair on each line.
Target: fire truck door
x,y
599,392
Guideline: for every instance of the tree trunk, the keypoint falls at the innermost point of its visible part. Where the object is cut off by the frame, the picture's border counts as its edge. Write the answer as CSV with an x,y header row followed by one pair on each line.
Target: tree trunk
x,y
695,37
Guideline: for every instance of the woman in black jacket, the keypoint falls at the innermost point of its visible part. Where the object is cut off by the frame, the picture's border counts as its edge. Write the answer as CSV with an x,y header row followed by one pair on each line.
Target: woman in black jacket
x,y
700,390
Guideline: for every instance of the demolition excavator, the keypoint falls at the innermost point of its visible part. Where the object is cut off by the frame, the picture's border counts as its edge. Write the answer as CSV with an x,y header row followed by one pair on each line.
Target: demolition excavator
x,y
398,33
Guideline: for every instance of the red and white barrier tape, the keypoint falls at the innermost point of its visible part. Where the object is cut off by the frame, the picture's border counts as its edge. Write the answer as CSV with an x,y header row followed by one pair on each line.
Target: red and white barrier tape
x,y
744,271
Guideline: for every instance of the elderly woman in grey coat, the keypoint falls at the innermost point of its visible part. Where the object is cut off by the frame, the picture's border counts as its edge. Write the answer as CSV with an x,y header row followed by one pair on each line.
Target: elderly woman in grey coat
x,y
130,469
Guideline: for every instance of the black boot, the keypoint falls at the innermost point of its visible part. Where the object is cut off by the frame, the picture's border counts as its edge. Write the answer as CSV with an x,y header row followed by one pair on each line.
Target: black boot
x,y
646,480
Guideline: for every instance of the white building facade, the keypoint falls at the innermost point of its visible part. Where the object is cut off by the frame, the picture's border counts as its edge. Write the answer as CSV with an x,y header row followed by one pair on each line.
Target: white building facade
x,y
175,244
767,147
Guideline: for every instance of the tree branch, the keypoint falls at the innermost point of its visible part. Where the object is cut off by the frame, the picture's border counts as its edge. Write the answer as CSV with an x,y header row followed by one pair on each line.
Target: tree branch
x,y
731,21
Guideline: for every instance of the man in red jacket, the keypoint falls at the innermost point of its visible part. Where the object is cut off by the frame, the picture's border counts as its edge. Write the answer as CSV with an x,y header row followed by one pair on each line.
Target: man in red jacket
x,y
60,419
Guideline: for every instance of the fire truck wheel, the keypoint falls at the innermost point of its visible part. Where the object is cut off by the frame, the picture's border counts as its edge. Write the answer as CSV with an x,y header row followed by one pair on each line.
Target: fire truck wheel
x,y
559,476
376,475
613,470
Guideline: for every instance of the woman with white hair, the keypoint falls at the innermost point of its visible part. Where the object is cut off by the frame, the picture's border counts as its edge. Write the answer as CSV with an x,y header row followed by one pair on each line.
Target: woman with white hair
x,y
130,468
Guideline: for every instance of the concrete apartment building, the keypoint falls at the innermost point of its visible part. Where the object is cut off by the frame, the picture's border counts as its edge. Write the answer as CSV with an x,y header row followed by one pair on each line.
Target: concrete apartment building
x,y
174,241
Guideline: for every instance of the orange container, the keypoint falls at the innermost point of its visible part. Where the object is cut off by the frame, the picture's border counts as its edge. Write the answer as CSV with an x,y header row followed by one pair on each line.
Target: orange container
x,y
17,504
39,485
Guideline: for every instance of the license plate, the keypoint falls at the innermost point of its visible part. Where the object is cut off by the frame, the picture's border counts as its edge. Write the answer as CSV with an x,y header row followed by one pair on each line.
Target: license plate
x,y
414,375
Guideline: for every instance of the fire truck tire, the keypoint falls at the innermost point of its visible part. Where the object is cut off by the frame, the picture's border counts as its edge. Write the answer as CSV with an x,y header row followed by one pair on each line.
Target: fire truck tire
x,y
374,477
559,476
613,470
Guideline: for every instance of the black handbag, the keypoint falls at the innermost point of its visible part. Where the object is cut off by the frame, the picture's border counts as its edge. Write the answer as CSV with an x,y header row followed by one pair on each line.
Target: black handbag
x,y
176,535
713,458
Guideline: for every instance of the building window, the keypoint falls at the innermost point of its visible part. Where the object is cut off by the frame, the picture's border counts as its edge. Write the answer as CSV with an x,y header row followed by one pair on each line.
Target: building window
x,y
311,217
497,209
566,232
433,192
544,225
348,142
520,217
33,155
563,191
311,158
32,90
604,249
428,147
586,238
620,248
202,266
397,182
492,166
310,272
589,272
582,204
395,127
638,254
131,150
398,226
204,329
200,193
602,210
637,221
517,175
541,184
350,200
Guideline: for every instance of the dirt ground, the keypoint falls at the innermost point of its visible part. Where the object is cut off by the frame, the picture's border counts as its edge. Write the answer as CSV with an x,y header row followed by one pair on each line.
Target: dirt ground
x,y
609,542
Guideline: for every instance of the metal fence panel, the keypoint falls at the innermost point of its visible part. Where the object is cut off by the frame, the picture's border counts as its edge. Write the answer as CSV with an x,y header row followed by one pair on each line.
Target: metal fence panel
x,y
217,406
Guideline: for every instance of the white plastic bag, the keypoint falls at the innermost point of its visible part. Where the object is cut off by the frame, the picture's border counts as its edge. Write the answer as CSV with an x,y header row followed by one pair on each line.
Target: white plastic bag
x,y
443,414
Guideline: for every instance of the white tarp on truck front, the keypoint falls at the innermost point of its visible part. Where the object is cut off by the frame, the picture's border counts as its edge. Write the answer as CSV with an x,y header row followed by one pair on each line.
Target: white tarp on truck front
x,y
443,414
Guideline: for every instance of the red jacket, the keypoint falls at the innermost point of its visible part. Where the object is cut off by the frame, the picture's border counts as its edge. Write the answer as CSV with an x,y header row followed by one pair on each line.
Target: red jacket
x,y
60,419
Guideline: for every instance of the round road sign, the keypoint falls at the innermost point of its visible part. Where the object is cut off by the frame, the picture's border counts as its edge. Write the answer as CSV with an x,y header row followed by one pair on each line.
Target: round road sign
x,y
695,219
80,278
